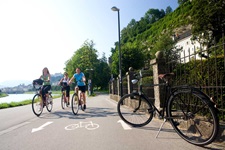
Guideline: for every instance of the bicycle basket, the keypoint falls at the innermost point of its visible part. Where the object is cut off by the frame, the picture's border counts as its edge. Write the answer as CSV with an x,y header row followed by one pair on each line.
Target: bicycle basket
x,y
37,83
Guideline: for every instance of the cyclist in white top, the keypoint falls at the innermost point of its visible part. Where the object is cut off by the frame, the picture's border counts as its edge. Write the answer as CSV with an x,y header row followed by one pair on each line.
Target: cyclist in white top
x,y
64,82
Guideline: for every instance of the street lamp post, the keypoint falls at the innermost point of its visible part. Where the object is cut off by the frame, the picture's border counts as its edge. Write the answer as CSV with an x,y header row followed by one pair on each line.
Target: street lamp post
x,y
90,86
120,71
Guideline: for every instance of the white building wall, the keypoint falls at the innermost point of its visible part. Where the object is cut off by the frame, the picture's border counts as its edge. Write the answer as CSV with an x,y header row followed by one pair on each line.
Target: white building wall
x,y
188,48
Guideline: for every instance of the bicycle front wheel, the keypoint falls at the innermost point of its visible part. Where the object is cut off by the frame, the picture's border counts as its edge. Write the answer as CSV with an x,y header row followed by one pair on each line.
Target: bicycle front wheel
x,y
37,105
63,102
193,117
135,110
75,104
49,103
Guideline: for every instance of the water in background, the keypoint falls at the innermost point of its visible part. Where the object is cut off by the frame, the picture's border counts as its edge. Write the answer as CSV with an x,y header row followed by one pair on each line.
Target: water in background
x,y
16,98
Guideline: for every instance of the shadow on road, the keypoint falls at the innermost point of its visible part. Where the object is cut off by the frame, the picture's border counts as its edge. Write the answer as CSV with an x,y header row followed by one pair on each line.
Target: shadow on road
x,y
89,113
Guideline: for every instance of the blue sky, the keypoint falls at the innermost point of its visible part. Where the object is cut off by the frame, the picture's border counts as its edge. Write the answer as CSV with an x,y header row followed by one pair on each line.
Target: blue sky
x,y
45,33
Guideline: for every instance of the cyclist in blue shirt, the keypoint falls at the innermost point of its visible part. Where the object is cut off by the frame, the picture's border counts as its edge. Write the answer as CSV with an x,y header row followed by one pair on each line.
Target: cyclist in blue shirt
x,y
80,78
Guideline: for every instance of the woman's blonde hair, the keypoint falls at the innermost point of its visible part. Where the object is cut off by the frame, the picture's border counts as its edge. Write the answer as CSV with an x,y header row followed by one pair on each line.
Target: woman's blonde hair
x,y
44,69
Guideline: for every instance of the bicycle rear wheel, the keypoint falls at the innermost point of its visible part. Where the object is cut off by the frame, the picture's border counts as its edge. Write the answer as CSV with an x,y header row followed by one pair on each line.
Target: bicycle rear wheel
x,y
49,103
135,110
75,104
37,105
193,117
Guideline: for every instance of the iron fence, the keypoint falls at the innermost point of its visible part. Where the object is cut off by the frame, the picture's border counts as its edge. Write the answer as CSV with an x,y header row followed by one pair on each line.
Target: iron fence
x,y
204,69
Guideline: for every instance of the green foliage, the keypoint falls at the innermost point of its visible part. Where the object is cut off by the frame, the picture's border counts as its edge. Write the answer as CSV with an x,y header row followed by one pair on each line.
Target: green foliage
x,y
25,102
14,104
150,34
209,21
180,2
4,105
86,58
147,80
3,95
153,31
208,73
199,72
153,15
131,57
168,10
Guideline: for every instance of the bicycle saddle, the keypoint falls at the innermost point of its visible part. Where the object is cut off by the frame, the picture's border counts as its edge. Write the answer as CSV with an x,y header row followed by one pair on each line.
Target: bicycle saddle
x,y
166,76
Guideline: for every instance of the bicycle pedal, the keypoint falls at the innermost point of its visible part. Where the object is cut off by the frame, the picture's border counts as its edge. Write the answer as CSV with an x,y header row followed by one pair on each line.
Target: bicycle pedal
x,y
151,110
176,123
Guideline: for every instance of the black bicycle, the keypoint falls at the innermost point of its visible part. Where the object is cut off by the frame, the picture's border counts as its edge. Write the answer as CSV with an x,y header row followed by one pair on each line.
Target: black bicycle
x,y
38,103
190,111
77,101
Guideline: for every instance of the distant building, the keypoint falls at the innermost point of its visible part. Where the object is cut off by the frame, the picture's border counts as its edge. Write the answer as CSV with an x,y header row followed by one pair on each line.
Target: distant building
x,y
188,46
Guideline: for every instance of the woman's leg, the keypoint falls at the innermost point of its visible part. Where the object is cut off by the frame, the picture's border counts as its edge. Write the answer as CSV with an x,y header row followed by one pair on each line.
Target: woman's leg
x,y
43,92
68,94
46,88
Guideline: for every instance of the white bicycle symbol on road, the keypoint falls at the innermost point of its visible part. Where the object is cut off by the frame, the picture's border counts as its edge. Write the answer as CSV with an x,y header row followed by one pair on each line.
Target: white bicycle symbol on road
x,y
88,125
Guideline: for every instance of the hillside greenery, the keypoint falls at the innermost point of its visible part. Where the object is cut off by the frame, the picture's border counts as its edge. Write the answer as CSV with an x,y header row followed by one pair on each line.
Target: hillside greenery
x,y
141,39
154,31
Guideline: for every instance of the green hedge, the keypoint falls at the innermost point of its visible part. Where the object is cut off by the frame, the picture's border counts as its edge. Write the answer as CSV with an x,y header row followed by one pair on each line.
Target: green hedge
x,y
209,74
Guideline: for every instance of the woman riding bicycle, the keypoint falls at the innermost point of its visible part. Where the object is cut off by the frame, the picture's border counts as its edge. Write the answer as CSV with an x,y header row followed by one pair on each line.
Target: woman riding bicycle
x,y
46,84
64,82
80,78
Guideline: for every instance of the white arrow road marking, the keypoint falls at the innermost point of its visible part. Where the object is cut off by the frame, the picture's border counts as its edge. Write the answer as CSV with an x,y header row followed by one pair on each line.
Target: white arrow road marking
x,y
124,125
41,127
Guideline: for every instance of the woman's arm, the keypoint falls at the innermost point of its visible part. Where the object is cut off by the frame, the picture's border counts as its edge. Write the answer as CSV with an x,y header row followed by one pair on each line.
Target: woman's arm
x,y
71,79
60,81
83,79
49,78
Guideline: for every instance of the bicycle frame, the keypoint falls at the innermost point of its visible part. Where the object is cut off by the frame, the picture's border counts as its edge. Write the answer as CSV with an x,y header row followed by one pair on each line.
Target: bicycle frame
x,y
168,92
140,91
38,91
79,93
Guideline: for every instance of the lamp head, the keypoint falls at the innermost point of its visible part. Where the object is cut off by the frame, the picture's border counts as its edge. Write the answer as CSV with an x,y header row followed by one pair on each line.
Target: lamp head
x,y
114,8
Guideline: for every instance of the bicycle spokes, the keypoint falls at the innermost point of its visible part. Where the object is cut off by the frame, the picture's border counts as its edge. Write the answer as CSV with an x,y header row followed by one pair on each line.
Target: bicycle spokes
x,y
192,118
133,109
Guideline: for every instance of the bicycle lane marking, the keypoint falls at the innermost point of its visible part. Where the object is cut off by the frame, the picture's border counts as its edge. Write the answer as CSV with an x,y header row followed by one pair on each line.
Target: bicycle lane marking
x,y
89,125
124,125
41,127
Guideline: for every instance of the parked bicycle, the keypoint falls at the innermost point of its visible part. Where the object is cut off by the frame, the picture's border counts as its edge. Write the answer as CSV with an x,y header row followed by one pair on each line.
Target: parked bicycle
x,y
190,111
77,101
38,103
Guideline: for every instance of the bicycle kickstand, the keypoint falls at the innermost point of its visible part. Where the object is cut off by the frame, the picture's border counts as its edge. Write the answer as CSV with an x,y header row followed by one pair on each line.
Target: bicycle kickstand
x,y
161,127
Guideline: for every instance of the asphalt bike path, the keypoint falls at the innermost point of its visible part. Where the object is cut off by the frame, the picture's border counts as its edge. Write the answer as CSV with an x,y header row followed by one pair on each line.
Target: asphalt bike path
x,y
98,128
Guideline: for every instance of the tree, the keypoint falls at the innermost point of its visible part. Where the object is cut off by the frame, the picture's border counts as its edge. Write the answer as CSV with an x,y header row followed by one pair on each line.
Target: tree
x,y
208,23
131,57
168,10
180,2
167,45
102,73
153,15
86,58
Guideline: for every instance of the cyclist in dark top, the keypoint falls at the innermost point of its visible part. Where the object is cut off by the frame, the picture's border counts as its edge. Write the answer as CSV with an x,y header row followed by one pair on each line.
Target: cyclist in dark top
x,y
65,86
